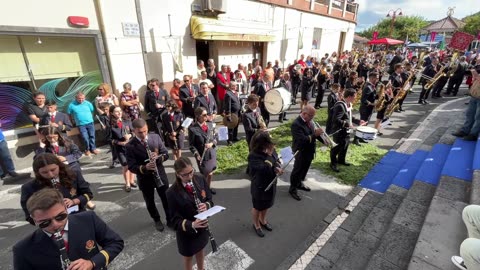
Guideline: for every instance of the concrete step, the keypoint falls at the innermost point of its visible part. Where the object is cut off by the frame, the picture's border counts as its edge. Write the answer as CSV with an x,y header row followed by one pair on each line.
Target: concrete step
x,y
475,194
397,244
363,244
334,248
443,229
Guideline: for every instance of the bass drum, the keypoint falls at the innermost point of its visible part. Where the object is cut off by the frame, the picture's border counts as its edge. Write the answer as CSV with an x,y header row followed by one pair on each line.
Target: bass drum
x,y
277,100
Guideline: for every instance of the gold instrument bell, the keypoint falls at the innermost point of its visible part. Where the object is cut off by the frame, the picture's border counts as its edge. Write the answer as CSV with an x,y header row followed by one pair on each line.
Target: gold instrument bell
x,y
233,121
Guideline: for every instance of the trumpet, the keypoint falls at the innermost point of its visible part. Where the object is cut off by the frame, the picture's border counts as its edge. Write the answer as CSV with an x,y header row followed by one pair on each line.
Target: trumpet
x,y
325,137
156,173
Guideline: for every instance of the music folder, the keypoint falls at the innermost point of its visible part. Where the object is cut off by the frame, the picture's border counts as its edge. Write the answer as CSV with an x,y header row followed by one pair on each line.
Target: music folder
x,y
210,212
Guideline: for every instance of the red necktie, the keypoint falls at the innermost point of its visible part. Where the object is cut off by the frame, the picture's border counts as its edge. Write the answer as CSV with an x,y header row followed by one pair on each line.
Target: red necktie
x,y
191,92
208,100
205,127
171,117
309,125
57,149
120,125
52,119
189,189
156,95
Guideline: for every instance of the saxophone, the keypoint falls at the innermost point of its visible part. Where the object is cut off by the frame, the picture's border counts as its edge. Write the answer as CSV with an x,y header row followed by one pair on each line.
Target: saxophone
x,y
359,90
399,96
435,78
380,105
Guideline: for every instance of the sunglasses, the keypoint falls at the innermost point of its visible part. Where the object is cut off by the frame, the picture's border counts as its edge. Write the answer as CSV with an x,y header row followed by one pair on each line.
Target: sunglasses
x,y
187,174
186,81
45,223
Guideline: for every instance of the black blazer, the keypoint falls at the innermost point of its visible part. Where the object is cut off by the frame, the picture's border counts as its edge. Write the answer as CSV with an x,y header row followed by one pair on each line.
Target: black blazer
x,y
250,123
72,153
303,137
231,103
197,139
201,101
80,190
59,116
117,134
89,238
184,95
340,120
177,122
151,100
368,95
261,169
137,156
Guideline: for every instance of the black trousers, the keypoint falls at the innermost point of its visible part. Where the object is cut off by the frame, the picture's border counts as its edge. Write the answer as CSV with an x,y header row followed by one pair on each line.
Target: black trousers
x,y
148,191
453,85
339,152
320,94
300,169
437,89
232,133
295,89
424,94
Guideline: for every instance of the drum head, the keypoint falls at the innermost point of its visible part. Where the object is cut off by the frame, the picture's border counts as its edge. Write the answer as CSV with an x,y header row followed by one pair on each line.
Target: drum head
x,y
273,102
367,129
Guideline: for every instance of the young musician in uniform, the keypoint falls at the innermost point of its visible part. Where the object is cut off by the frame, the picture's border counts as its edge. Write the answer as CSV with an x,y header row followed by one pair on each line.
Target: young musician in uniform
x,y
201,138
50,172
63,241
367,102
388,98
121,133
205,99
263,164
304,135
321,79
145,156
332,98
188,196
398,78
307,87
252,121
457,77
231,105
55,118
260,89
188,92
429,71
342,119
174,133
155,100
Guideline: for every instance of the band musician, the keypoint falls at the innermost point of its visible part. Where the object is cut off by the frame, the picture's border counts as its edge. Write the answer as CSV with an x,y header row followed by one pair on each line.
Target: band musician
x,y
148,166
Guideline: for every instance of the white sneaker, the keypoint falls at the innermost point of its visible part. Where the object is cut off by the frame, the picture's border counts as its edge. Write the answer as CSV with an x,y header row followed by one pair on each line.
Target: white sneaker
x,y
458,261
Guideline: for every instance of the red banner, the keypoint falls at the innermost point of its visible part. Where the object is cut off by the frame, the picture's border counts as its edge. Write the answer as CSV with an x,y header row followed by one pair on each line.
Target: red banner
x,y
460,41
433,35
375,35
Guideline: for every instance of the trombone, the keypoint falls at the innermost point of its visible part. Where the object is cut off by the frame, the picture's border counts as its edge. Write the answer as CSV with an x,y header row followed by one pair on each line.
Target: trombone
x,y
325,137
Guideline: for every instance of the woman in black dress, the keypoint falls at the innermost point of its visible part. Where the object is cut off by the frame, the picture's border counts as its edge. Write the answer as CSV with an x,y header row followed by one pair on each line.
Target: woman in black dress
x,y
172,127
306,87
121,133
50,172
263,167
201,137
192,237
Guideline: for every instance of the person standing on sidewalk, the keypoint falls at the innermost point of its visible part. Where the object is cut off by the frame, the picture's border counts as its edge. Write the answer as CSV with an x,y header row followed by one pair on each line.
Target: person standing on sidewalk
x,y
6,159
81,111
471,126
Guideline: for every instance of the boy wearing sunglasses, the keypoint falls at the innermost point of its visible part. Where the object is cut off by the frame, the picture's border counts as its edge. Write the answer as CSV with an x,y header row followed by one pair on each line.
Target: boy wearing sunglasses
x,y
82,234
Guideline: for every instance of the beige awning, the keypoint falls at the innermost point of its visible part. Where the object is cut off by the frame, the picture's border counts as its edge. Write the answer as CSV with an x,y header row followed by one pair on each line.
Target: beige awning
x,y
205,28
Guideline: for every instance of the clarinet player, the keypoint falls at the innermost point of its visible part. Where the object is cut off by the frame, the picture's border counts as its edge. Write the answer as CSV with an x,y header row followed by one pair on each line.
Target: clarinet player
x,y
188,196
148,166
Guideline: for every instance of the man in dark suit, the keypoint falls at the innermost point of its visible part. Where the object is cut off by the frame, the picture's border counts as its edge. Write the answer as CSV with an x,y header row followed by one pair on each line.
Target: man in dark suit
x,y
188,92
457,76
260,89
342,121
149,170
56,119
428,72
398,79
231,105
397,59
304,135
206,100
82,241
155,104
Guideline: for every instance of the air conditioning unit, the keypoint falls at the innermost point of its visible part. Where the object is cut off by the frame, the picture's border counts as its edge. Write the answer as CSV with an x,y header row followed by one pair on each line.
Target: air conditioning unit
x,y
215,6
196,7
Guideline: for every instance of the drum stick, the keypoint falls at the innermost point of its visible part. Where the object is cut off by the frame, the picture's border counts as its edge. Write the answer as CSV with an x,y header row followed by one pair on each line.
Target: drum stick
x,y
276,177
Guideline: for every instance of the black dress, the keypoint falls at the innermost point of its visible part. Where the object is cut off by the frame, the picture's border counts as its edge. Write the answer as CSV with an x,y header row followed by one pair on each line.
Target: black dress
x,y
307,88
176,120
183,209
262,172
117,135
197,139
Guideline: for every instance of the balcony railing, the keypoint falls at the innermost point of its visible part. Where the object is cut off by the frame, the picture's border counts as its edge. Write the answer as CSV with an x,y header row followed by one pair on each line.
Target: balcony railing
x,y
323,2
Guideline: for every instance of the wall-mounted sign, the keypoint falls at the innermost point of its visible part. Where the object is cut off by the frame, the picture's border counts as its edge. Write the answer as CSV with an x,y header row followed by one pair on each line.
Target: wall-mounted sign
x,y
131,29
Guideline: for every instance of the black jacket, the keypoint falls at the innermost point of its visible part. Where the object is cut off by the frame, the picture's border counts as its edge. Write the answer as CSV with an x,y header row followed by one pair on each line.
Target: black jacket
x,y
303,137
340,120
261,169
231,103
151,100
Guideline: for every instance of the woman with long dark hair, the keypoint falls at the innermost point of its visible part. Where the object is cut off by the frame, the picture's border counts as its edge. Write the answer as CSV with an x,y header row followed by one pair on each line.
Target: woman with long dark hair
x,y
172,127
188,196
121,132
264,166
50,172
62,147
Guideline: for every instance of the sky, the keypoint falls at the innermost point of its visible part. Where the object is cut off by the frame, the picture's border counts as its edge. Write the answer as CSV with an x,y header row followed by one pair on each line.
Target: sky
x,y
372,11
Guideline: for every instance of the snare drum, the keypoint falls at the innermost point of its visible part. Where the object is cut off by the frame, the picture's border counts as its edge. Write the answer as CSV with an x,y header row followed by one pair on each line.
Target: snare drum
x,y
366,133
278,100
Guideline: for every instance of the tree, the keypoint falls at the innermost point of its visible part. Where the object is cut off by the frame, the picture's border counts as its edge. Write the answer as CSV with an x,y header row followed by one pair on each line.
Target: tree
x,y
472,24
403,26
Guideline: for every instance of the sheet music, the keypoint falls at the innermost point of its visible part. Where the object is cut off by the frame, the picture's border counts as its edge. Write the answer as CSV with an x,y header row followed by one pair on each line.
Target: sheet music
x,y
210,212
187,122
286,154
72,209
222,133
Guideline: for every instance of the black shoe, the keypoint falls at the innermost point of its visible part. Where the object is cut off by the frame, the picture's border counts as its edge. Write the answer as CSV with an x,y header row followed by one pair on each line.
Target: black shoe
x,y
420,102
285,119
303,187
317,107
213,191
425,102
236,140
3,176
334,168
159,226
362,140
280,120
258,231
459,134
229,143
295,195
379,134
401,109
133,185
434,97
267,226
13,174
470,138
355,141
344,163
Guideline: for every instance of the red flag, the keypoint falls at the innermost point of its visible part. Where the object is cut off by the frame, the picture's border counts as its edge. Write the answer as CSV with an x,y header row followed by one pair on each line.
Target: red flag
x,y
375,35
460,41
432,36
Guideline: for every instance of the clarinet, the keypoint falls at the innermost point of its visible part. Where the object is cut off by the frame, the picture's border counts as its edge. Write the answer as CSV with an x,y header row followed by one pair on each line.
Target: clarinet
x,y
197,203
175,138
156,174
211,130
64,260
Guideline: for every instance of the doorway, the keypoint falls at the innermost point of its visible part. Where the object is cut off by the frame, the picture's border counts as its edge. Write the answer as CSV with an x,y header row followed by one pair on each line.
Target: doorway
x,y
203,50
